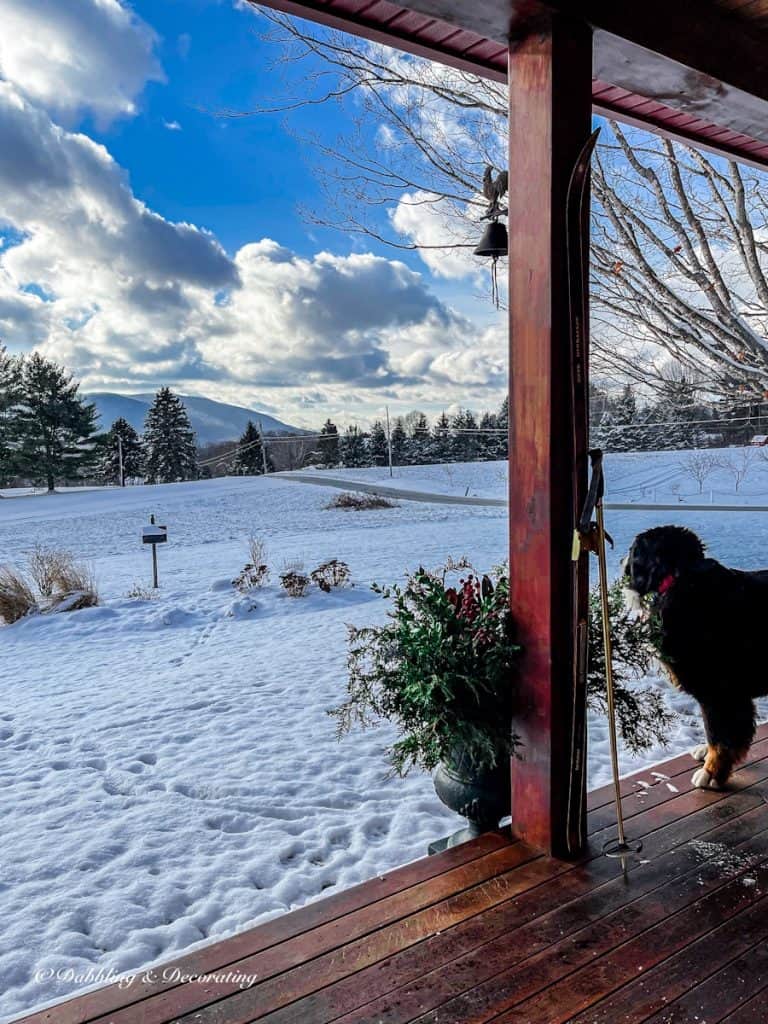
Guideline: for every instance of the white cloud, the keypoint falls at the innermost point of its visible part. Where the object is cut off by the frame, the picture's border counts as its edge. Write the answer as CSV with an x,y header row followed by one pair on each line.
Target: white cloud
x,y
172,126
128,300
77,54
426,223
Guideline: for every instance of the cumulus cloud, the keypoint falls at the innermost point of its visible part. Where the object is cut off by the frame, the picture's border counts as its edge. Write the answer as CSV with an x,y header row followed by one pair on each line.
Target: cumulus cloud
x,y
95,279
418,218
81,54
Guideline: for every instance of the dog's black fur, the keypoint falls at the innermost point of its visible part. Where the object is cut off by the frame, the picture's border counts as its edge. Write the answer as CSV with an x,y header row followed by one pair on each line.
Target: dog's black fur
x,y
708,625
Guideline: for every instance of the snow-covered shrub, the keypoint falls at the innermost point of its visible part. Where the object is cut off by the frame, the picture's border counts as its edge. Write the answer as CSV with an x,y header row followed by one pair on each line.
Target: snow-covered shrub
x,y
295,583
16,596
360,502
330,574
138,592
255,573
441,668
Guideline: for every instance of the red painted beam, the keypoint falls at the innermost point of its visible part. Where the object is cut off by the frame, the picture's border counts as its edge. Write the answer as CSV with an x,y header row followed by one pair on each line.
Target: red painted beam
x,y
550,119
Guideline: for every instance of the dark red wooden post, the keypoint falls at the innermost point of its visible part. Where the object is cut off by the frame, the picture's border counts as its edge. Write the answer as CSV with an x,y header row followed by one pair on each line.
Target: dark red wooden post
x,y
550,72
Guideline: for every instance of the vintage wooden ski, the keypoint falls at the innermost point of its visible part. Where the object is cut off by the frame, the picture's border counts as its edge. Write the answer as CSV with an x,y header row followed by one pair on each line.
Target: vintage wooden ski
x,y
577,244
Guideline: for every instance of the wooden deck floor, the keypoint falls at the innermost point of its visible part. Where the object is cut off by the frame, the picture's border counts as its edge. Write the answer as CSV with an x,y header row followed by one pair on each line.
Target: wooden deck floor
x,y
490,931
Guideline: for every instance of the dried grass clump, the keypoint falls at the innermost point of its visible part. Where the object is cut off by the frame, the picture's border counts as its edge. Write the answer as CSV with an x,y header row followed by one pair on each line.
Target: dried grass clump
x,y
331,574
52,582
47,566
74,587
295,583
17,598
360,502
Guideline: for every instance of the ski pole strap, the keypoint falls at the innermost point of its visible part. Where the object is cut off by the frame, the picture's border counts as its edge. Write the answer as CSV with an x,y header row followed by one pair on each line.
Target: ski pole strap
x,y
585,536
596,489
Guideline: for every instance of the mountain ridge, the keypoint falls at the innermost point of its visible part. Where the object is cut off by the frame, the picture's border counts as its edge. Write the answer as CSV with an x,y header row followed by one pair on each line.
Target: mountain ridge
x,y
212,421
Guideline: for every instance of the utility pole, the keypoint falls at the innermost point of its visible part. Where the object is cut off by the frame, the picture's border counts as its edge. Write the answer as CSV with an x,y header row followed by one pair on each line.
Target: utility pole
x,y
263,449
389,443
120,458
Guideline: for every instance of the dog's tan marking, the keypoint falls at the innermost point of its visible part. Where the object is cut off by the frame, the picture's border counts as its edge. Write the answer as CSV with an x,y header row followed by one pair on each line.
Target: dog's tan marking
x,y
721,760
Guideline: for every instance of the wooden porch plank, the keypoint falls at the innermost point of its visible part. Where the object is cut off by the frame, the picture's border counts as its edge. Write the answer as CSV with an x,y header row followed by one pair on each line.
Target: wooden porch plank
x,y
741,942
752,1012
575,991
454,961
217,955
633,806
677,767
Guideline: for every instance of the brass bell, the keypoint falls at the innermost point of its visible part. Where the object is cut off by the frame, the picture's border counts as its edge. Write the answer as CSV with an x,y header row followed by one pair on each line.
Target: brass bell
x,y
494,242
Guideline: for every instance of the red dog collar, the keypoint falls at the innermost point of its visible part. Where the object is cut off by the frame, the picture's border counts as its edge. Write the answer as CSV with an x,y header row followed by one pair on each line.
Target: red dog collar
x,y
666,584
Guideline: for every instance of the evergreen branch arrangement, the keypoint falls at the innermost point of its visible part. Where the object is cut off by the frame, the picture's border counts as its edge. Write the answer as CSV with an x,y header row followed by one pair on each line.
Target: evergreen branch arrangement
x,y
442,668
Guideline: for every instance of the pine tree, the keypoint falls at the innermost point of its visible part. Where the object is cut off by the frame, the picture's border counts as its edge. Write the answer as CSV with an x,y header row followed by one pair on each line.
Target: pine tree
x,y
10,373
466,440
169,441
400,446
329,444
421,440
56,427
252,453
378,451
353,448
441,439
121,435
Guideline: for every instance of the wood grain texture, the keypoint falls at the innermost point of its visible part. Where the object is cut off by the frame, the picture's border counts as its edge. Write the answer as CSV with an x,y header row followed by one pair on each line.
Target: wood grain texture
x,y
549,96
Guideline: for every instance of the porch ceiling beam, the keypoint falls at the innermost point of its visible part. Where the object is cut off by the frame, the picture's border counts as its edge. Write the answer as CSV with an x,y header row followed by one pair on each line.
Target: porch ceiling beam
x,y
668,54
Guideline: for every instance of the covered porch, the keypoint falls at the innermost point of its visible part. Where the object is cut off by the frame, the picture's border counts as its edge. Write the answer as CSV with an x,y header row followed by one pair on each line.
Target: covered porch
x,y
534,925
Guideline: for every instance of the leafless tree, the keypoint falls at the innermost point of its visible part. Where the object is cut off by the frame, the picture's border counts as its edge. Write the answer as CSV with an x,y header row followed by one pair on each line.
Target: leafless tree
x,y
680,238
737,462
700,465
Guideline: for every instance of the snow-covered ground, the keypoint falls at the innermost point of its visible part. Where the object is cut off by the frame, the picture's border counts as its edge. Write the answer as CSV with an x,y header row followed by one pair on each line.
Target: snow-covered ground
x,y
167,770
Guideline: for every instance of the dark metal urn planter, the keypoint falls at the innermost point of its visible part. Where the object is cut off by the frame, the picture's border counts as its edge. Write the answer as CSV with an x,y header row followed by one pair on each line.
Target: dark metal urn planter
x,y
482,796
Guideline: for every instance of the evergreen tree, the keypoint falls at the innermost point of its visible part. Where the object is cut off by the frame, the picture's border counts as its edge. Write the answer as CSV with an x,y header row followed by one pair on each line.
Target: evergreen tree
x,y
353,448
466,441
121,436
252,454
329,444
169,441
399,443
57,428
377,445
441,439
491,442
10,372
421,439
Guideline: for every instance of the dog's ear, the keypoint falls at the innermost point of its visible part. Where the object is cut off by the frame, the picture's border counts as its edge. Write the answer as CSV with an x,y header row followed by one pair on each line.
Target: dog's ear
x,y
661,552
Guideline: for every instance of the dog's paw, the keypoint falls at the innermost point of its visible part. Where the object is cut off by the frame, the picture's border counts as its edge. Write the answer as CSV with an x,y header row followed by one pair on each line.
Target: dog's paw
x,y
701,779
700,753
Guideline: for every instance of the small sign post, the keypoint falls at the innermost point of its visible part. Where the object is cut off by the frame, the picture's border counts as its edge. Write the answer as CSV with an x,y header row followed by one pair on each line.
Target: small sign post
x,y
154,534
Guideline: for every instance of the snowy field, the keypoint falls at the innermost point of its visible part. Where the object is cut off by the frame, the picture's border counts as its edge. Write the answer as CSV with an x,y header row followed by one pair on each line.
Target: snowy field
x,y
167,770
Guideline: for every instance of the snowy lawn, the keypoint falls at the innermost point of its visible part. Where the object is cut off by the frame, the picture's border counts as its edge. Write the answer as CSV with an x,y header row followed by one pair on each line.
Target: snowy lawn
x,y
168,771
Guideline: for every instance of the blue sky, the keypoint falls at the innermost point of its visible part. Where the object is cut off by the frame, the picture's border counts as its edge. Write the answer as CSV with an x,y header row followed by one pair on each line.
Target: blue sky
x,y
146,239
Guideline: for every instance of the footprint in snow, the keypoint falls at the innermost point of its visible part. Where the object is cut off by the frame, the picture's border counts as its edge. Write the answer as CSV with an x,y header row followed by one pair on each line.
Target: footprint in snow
x,y
5,732
230,823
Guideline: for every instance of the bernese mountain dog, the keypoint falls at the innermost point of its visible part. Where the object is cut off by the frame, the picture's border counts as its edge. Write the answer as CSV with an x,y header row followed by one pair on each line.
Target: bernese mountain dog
x,y
707,624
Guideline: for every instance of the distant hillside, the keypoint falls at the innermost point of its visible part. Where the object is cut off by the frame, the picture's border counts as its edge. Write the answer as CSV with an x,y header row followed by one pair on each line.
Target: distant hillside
x,y
212,421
